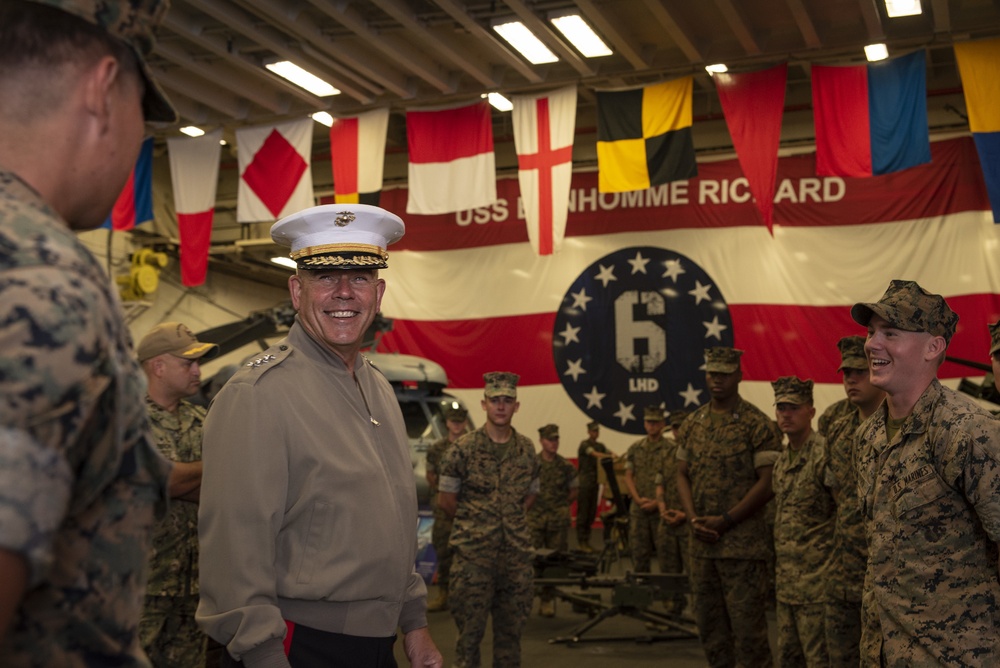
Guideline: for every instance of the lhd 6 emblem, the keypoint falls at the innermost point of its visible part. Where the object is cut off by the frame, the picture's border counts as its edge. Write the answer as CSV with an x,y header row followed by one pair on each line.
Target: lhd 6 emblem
x,y
631,332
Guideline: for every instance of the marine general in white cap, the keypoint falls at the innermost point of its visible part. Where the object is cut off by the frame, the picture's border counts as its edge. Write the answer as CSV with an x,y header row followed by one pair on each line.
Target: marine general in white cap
x,y
339,236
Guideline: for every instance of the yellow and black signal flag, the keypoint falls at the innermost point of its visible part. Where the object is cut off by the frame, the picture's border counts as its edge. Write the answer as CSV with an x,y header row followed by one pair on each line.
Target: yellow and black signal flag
x,y
644,136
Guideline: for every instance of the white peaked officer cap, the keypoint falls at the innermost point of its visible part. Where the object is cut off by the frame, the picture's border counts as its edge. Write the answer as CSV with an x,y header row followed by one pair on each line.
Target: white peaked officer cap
x,y
339,236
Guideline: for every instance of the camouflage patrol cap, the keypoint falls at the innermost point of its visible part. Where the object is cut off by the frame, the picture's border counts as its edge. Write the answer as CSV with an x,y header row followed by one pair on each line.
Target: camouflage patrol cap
x,y
995,337
501,384
791,390
549,432
174,338
457,414
653,414
676,417
721,359
852,353
132,22
339,236
592,425
907,306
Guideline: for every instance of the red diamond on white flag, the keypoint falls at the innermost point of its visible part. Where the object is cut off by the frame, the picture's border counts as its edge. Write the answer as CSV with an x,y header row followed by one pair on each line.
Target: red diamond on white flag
x,y
275,179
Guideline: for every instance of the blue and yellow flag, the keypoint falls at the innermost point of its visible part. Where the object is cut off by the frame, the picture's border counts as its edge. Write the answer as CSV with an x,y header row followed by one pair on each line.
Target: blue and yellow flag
x,y
979,65
644,136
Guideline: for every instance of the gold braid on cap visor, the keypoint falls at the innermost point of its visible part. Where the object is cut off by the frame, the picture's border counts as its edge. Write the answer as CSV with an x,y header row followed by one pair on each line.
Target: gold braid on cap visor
x,y
322,255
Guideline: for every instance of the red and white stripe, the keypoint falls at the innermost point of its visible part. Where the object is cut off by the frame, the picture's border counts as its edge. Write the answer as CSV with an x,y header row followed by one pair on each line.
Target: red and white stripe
x,y
194,172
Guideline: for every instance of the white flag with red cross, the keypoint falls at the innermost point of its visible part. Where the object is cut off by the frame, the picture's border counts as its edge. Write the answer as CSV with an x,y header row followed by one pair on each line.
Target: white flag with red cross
x,y
543,138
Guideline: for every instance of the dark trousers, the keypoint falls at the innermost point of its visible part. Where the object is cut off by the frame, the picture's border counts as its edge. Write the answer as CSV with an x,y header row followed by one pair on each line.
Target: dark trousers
x,y
311,648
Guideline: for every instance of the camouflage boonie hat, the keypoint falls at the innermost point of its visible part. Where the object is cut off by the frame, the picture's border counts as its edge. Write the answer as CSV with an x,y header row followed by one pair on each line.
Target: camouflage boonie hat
x,y
653,414
994,337
791,390
501,384
592,425
722,359
456,414
174,338
549,432
132,22
907,306
677,417
852,353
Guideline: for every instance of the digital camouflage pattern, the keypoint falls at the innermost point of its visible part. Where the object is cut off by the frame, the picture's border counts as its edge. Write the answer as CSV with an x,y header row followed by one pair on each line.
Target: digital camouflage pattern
x,y
645,460
672,542
792,390
492,573
441,531
850,547
803,544
907,306
549,516
833,412
801,635
586,502
81,478
994,337
170,635
803,523
722,359
931,499
723,453
729,609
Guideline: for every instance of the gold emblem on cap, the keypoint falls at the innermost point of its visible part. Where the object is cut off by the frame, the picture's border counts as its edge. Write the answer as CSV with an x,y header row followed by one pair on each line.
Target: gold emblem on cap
x,y
343,219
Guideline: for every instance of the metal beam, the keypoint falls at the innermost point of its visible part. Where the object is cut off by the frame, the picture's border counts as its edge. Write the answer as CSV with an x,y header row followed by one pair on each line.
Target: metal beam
x,y
609,28
674,30
738,24
873,20
805,24
467,62
237,108
942,16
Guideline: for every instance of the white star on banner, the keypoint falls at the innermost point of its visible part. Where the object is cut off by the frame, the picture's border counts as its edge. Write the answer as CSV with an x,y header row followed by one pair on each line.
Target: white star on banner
x,y
691,396
638,263
594,398
570,334
606,275
700,292
714,328
673,269
624,413
580,299
575,369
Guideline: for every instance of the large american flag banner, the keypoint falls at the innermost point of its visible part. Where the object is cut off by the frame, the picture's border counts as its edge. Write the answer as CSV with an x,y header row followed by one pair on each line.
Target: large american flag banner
x,y
618,319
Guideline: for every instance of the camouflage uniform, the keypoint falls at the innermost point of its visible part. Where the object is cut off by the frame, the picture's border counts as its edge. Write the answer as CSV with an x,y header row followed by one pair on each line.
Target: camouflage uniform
x,y
833,412
672,542
81,478
586,502
850,549
930,500
645,460
167,630
441,531
549,517
729,577
803,543
493,572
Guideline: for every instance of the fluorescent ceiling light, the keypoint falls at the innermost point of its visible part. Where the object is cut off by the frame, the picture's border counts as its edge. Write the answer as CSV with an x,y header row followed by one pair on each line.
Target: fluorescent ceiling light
x,y
284,261
896,8
522,39
874,52
718,68
301,78
499,102
581,35
192,131
323,118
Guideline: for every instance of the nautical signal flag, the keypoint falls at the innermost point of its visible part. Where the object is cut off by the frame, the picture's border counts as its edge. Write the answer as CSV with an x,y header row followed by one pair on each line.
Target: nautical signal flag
x,y
871,119
979,66
543,139
135,202
275,175
452,166
357,155
644,136
194,172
